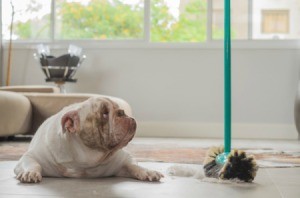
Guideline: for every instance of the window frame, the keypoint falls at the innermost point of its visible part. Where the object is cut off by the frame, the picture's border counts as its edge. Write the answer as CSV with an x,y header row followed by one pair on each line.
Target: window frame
x,y
249,43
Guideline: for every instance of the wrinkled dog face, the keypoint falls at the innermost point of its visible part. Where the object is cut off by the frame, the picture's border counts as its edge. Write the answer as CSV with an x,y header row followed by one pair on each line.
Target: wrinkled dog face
x,y
102,124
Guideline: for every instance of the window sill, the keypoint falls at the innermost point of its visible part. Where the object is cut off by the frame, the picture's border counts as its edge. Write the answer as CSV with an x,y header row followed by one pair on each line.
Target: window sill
x,y
140,44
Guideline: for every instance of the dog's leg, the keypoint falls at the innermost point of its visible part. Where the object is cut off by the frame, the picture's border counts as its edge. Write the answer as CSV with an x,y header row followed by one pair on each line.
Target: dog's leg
x,y
28,170
140,173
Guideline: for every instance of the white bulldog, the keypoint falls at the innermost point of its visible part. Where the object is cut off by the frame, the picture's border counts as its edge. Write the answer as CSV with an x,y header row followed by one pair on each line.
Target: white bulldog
x,y
84,140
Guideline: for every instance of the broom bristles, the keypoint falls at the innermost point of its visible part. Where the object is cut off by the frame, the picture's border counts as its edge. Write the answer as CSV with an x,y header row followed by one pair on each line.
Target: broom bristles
x,y
238,165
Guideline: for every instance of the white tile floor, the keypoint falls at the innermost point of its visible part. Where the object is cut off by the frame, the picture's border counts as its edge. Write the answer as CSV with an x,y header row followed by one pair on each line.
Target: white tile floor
x,y
270,182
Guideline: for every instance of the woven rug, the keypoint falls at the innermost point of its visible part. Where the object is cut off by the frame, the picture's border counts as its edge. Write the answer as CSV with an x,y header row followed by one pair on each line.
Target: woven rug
x,y
171,153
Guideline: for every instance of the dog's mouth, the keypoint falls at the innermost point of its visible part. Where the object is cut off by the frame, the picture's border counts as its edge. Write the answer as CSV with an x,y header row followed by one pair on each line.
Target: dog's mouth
x,y
126,138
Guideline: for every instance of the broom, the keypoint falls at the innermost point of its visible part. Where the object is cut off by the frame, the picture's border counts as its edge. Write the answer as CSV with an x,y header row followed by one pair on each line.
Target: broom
x,y
221,162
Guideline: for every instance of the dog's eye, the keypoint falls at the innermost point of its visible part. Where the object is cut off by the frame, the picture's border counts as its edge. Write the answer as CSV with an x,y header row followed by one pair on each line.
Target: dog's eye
x,y
120,113
105,114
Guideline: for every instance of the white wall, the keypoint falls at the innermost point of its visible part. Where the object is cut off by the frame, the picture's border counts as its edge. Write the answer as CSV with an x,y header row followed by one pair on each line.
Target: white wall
x,y
179,92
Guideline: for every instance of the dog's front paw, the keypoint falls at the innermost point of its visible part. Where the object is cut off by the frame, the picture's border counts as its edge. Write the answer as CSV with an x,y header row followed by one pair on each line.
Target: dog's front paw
x,y
29,177
148,175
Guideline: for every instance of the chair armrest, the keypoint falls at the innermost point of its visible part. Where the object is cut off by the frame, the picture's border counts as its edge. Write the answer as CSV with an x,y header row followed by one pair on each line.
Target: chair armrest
x,y
31,88
45,105
15,114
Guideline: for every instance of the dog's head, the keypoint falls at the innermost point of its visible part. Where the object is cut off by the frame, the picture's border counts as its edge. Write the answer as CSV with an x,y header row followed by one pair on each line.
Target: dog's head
x,y
100,124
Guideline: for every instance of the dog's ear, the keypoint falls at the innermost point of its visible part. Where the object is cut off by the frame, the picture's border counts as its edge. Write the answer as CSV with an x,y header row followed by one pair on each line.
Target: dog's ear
x,y
70,122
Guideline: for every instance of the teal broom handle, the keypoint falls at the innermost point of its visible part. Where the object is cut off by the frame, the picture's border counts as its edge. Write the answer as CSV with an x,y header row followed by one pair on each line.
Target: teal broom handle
x,y
227,78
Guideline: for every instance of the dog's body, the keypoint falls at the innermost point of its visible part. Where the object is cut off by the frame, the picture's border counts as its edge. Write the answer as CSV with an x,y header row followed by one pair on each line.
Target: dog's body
x,y
84,140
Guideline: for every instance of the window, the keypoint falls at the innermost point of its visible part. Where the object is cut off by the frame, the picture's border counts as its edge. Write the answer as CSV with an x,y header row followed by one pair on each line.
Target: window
x,y
149,21
239,19
99,19
275,21
31,19
178,21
